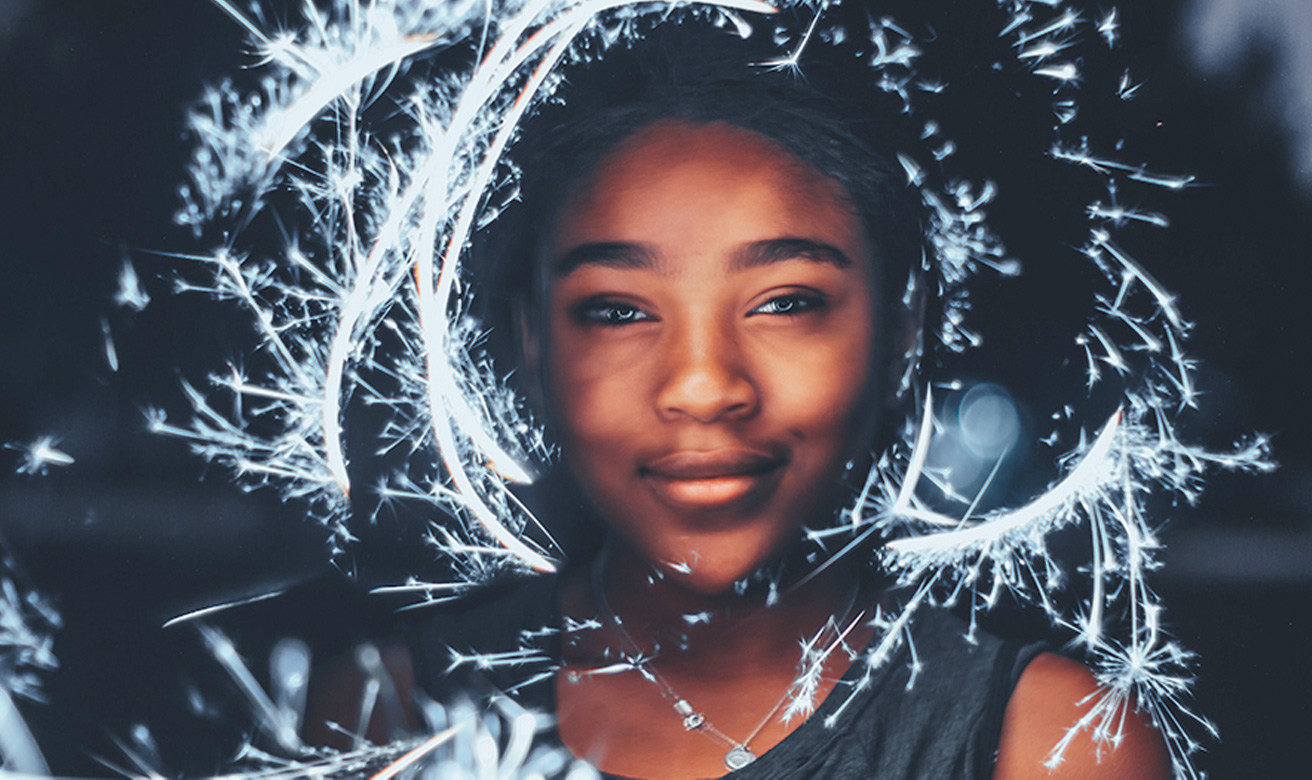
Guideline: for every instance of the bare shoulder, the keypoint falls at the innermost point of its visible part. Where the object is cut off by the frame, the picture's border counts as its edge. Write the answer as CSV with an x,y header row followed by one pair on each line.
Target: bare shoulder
x,y
1050,697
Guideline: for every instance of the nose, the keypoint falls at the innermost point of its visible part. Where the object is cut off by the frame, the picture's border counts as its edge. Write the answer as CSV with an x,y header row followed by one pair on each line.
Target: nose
x,y
705,378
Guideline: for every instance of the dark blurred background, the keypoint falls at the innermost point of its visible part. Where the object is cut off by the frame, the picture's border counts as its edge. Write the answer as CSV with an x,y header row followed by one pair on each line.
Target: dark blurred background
x,y
92,103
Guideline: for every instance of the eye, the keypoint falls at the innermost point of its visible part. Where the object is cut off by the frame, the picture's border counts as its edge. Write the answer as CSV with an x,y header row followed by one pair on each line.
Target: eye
x,y
791,304
609,313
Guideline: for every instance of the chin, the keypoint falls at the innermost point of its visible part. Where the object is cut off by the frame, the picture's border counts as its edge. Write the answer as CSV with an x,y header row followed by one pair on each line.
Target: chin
x,y
719,565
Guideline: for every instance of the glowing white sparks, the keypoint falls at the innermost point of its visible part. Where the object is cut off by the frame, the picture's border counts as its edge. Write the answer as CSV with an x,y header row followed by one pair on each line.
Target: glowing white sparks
x,y
111,351
815,653
1080,155
1128,88
493,660
27,628
276,722
19,748
965,542
1109,27
386,211
1064,72
40,455
217,608
502,740
366,303
793,61
130,295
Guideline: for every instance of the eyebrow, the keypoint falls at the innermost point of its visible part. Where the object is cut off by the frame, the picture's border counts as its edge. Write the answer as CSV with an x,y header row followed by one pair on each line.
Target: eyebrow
x,y
619,254
777,250
610,254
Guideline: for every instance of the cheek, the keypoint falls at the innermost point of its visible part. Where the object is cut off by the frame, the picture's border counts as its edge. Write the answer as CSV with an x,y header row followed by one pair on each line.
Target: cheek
x,y
826,419
594,392
826,390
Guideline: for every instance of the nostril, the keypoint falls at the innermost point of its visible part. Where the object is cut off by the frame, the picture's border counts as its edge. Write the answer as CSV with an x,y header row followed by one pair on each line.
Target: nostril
x,y
707,391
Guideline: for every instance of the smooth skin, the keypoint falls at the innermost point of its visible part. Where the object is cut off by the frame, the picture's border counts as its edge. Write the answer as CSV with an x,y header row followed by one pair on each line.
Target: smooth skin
x,y
710,361
710,340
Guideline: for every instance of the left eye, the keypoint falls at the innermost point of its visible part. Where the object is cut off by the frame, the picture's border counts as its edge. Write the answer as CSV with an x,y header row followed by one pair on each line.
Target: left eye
x,y
604,312
793,303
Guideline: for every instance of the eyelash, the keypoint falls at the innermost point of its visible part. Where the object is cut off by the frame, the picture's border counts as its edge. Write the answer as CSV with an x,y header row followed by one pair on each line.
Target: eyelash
x,y
614,314
609,314
796,303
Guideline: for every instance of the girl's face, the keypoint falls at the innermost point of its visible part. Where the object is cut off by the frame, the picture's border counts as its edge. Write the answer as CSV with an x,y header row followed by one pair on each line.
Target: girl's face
x,y
709,350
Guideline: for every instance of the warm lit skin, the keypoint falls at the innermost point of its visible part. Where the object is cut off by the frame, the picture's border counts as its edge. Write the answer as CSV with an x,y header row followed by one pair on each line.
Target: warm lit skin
x,y
710,314
709,354
710,294
710,361
1051,695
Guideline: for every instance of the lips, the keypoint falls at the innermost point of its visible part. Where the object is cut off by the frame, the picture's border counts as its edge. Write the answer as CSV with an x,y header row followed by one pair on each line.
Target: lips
x,y
718,479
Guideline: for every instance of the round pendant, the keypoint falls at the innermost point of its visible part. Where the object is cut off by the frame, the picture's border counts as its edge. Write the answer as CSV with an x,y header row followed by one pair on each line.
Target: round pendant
x,y
738,757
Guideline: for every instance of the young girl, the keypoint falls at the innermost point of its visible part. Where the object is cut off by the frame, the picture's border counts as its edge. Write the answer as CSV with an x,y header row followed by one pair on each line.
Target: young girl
x,y
706,283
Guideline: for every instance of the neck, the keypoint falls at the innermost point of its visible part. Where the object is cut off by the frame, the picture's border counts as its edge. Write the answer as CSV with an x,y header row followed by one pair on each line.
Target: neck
x,y
761,620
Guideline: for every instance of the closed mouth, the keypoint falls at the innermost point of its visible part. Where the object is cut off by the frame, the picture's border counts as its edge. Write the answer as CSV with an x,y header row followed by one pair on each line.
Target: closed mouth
x,y
719,479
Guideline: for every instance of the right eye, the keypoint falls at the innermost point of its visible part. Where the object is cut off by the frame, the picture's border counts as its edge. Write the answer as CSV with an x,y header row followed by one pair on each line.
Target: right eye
x,y
609,313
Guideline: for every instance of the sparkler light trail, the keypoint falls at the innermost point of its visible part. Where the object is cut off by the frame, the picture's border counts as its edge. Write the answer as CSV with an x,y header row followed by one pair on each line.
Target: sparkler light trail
x,y
40,455
466,743
464,740
378,138
27,627
469,748
130,293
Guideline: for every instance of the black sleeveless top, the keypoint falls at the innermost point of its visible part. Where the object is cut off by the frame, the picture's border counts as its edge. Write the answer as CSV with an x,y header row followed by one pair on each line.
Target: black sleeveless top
x,y
946,726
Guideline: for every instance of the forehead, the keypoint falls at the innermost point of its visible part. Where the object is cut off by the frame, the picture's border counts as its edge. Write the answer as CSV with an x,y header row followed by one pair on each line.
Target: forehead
x,y
690,186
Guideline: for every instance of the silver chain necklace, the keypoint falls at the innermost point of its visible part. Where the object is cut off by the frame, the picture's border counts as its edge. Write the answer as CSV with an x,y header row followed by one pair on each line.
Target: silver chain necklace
x,y
739,754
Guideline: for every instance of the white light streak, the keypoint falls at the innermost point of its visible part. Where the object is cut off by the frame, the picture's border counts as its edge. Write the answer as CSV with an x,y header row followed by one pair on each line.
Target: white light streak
x,y
111,352
811,666
1127,89
17,745
964,542
1080,155
1065,72
368,303
40,455
217,608
1066,21
1109,27
269,717
28,625
425,748
130,295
